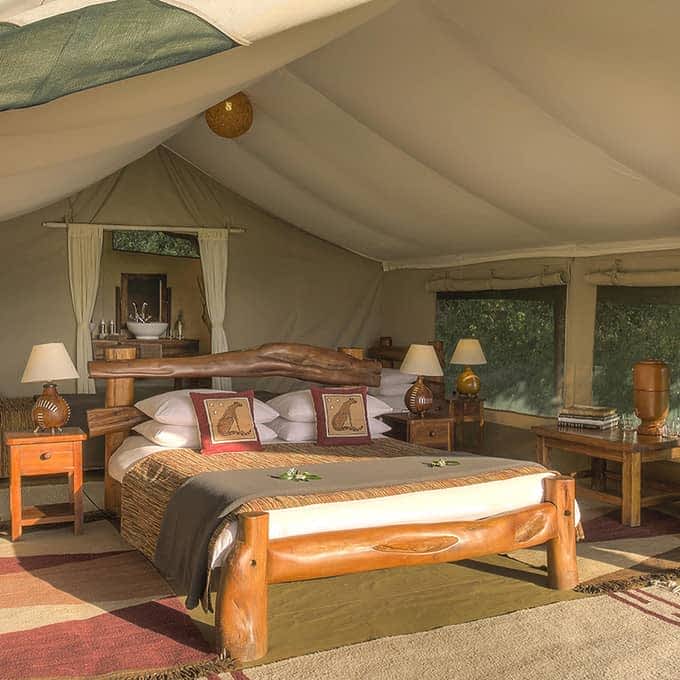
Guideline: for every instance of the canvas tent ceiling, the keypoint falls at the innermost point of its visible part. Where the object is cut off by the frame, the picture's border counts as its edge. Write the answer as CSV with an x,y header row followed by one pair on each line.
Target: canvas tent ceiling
x,y
55,149
435,132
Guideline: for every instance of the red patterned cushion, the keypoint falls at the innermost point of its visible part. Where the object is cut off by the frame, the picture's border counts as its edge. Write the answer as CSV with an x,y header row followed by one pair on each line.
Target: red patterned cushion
x,y
225,421
341,416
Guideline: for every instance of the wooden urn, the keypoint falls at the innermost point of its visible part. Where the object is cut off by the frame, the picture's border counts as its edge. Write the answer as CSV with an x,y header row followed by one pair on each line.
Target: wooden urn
x,y
651,395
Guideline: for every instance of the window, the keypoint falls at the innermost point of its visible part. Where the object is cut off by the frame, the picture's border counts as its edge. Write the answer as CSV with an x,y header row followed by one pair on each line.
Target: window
x,y
632,324
522,335
156,243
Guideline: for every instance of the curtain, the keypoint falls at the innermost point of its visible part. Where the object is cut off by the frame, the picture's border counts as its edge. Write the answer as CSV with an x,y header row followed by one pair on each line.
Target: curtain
x,y
492,282
214,247
84,256
617,277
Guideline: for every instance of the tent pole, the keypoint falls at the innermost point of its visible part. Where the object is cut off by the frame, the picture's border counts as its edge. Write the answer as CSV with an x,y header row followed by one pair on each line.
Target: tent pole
x,y
138,227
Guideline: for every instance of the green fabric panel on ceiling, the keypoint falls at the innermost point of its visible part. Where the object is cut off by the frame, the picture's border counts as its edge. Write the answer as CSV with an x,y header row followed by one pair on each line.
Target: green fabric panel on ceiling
x,y
96,45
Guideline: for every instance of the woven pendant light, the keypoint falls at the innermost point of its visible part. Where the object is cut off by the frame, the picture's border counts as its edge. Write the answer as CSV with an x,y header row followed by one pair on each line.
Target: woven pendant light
x,y
231,117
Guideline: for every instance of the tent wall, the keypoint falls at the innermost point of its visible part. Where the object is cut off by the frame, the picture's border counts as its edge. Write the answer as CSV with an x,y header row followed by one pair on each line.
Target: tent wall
x,y
408,309
408,315
283,283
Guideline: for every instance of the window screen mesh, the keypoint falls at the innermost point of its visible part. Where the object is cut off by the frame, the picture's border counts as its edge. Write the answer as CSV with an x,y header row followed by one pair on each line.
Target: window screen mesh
x,y
632,324
156,243
522,335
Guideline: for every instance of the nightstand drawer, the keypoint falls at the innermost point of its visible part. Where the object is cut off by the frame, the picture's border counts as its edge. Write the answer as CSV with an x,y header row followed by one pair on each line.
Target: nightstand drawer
x,y
43,459
430,433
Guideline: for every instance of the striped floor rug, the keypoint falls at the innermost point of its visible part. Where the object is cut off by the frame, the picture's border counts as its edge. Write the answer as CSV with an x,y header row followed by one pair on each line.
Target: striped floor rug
x,y
632,635
89,607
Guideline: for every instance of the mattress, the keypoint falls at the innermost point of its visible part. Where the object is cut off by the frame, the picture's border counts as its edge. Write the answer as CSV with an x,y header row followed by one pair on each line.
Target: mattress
x,y
461,503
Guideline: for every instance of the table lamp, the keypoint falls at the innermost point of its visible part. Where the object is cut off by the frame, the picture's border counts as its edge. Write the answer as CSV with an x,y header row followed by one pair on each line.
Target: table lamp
x,y
468,353
48,363
420,360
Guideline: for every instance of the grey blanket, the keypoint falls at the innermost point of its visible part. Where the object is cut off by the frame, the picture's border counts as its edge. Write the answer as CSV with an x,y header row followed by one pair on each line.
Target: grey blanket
x,y
198,507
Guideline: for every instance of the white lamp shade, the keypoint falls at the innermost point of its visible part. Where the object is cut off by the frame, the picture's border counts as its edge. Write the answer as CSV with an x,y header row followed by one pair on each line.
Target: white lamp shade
x,y
421,360
48,363
468,352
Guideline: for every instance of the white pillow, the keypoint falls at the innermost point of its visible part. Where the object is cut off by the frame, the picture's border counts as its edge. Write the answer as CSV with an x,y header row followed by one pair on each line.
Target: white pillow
x,y
185,436
389,390
128,453
299,406
297,431
173,436
397,403
176,408
393,376
265,432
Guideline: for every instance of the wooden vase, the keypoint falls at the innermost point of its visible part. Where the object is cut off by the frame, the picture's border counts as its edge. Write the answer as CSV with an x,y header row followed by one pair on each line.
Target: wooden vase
x,y
651,394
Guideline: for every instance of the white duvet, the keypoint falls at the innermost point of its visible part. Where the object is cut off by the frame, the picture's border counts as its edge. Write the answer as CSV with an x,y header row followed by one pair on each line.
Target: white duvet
x,y
439,505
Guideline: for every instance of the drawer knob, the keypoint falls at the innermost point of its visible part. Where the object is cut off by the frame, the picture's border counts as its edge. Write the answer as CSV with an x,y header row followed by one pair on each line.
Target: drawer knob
x,y
45,456
433,433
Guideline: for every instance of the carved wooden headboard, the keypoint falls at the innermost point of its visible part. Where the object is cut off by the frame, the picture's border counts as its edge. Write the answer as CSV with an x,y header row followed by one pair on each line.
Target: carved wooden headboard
x,y
286,360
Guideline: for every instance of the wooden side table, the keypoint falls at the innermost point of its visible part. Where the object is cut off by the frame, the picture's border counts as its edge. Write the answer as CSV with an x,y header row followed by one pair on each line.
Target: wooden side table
x,y
33,454
437,432
464,410
630,450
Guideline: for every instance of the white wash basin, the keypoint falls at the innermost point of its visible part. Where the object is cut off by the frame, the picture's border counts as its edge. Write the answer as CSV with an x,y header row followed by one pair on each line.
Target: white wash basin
x,y
147,331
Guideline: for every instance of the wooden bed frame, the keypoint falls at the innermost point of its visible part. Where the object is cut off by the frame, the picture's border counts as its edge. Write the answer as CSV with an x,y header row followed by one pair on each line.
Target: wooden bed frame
x,y
257,561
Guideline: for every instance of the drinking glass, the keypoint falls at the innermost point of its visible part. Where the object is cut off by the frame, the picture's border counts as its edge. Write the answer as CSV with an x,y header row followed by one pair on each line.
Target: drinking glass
x,y
674,426
628,422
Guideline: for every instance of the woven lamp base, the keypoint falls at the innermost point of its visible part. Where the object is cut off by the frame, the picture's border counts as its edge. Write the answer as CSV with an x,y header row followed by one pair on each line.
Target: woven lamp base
x,y
51,411
419,398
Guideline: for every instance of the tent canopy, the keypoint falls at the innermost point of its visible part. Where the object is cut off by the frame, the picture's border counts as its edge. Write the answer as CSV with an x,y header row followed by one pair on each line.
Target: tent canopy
x,y
418,133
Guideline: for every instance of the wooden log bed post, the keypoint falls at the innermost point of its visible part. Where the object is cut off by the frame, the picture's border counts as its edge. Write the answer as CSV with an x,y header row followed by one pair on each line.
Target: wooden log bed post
x,y
242,602
119,392
561,550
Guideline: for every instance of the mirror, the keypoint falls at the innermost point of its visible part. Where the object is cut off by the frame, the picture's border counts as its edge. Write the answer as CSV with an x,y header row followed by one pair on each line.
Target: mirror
x,y
141,289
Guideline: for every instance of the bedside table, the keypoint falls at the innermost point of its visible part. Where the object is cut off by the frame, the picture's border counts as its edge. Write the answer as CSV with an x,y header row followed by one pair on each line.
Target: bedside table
x,y
465,410
435,431
33,454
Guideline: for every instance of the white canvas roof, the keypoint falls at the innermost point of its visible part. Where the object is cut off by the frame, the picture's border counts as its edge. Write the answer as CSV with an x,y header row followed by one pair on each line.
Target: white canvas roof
x,y
435,132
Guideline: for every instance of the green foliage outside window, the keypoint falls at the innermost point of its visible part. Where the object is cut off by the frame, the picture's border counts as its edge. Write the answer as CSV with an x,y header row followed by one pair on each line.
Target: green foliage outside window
x,y
156,243
517,332
632,324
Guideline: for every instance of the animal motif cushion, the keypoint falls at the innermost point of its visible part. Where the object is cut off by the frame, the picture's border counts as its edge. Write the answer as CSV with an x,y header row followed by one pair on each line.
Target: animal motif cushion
x,y
226,422
341,416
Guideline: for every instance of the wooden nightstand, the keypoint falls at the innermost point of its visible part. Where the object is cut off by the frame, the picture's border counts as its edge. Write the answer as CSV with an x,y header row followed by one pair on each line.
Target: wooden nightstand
x,y
464,410
33,454
437,432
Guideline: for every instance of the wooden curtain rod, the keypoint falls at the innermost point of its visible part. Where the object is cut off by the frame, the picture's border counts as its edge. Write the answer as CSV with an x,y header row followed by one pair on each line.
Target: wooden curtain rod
x,y
137,227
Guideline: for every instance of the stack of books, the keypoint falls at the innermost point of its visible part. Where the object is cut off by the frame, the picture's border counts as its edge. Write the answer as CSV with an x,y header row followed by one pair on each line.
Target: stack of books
x,y
592,417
